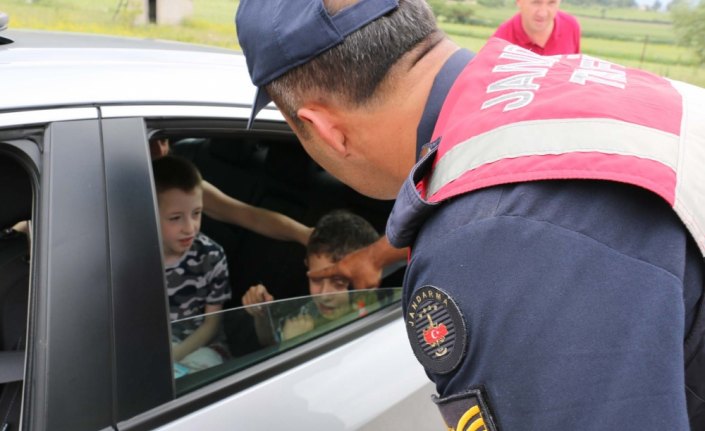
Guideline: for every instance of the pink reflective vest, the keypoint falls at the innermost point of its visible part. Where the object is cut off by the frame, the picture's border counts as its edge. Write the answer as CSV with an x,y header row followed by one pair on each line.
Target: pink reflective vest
x,y
514,116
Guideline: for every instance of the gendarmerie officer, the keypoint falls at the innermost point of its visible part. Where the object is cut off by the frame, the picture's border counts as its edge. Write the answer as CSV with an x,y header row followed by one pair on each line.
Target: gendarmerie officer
x,y
555,219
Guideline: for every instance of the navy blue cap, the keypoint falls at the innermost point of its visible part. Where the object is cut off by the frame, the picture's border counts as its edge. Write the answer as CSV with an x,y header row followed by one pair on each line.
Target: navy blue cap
x,y
278,35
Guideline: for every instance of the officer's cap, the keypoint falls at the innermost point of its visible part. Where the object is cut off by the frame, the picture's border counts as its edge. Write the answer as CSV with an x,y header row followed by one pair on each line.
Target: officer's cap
x,y
278,35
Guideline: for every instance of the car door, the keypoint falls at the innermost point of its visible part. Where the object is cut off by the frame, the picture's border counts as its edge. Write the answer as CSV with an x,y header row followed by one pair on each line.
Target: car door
x,y
98,351
97,328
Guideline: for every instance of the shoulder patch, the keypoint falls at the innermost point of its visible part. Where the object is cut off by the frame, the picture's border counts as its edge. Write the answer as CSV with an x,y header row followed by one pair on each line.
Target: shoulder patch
x,y
436,330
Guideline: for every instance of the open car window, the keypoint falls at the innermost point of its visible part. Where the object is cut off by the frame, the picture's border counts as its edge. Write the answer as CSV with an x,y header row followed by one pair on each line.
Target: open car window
x,y
269,329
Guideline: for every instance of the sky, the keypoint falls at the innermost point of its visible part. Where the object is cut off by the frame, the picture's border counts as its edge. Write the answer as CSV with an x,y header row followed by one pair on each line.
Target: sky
x,y
663,2
649,3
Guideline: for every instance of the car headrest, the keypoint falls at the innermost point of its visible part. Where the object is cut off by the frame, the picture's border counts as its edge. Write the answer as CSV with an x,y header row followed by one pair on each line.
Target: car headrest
x,y
15,192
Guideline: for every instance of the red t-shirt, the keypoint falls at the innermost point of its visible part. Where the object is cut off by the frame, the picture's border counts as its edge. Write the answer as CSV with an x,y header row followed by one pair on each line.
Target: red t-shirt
x,y
564,39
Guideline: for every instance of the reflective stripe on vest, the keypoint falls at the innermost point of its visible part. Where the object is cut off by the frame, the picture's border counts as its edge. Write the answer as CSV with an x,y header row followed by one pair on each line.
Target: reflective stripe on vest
x,y
514,116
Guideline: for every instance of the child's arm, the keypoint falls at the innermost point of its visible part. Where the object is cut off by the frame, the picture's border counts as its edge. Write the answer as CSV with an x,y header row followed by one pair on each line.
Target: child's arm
x,y
295,326
222,207
201,336
363,267
263,324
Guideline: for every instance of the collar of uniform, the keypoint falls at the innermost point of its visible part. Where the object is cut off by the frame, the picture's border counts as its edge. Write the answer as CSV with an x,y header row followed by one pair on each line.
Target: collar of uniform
x,y
410,209
441,86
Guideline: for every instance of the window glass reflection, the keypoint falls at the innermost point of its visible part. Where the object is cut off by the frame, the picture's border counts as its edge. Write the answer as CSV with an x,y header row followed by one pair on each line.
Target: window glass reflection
x,y
268,329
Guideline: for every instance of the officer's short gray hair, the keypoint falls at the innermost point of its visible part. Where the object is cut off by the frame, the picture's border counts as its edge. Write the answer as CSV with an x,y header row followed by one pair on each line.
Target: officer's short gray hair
x,y
354,69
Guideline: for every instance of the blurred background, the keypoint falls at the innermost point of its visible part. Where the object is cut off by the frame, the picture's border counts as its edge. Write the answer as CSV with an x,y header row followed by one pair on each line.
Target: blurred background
x,y
666,37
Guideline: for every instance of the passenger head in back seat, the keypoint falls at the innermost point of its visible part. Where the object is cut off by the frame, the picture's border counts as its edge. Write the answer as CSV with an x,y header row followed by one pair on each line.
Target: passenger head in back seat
x,y
196,269
221,207
336,234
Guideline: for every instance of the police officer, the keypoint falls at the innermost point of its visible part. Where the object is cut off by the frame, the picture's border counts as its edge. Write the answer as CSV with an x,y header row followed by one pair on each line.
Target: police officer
x,y
553,206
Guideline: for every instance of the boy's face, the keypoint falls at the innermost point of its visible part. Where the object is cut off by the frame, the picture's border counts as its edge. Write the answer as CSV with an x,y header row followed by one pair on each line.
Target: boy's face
x,y
330,306
158,148
180,220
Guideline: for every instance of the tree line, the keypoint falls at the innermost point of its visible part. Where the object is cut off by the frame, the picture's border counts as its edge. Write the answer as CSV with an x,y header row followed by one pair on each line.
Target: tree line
x,y
688,17
689,24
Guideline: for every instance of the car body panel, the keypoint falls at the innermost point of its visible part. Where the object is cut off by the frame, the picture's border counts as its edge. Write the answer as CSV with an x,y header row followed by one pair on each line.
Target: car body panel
x,y
43,116
122,71
130,208
321,394
73,275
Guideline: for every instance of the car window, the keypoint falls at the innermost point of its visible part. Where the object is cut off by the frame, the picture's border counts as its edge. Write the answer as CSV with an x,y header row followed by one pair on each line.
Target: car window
x,y
15,229
268,170
268,329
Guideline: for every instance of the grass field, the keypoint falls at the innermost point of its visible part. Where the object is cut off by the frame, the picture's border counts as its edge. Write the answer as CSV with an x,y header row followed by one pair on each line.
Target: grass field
x,y
630,37
211,23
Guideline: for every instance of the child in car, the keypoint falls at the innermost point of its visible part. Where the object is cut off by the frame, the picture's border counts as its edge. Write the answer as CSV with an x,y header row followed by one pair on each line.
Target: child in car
x,y
196,269
224,208
335,235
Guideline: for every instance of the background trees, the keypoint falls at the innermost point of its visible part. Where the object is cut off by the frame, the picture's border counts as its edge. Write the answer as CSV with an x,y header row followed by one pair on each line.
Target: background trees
x,y
689,24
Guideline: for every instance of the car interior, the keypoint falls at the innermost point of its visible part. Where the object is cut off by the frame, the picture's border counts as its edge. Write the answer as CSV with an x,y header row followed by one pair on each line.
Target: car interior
x,y
15,187
272,171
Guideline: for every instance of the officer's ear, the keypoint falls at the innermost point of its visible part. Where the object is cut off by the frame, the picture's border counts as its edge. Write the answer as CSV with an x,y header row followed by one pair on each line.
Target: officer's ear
x,y
326,123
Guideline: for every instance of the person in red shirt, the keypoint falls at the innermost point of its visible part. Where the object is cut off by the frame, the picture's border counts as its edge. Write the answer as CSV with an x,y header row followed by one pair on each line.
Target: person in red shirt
x,y
542,28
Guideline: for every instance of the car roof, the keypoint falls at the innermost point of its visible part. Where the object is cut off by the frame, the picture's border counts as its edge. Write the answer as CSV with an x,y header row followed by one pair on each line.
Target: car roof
x,y
49,69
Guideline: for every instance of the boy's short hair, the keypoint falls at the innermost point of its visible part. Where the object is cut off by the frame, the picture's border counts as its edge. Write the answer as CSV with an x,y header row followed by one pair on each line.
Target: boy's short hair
x,y
339,233
174,172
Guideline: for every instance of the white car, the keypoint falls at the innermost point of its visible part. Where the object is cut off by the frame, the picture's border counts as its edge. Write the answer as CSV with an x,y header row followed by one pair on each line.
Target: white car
x,y
84,325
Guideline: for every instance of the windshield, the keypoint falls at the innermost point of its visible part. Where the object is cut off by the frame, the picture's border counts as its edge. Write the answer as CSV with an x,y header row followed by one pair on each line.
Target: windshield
x,y
268,329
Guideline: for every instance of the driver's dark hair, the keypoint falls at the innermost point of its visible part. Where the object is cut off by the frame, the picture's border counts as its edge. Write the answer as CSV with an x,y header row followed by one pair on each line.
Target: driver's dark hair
x,y
354,69
174,172
339,233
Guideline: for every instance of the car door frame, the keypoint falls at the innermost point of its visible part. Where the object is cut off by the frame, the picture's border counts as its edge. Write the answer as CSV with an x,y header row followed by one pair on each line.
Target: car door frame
x,y
103,165
94,280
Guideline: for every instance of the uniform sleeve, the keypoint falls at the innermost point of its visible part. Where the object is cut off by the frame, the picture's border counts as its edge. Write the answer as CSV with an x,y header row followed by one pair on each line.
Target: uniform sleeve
x,y
562,331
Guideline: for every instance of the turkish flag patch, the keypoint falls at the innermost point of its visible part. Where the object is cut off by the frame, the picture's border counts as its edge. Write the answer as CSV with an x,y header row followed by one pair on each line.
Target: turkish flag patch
x,y
436,329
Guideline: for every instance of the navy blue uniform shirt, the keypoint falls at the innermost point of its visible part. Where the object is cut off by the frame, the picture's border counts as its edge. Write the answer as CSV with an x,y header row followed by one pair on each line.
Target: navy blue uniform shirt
x,y
577,296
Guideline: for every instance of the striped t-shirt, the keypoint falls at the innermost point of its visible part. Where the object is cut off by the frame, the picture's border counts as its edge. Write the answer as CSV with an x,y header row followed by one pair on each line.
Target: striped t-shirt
x,y
200,277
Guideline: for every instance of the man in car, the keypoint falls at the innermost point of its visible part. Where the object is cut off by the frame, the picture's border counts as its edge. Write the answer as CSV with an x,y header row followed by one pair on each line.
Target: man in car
x,y
554,208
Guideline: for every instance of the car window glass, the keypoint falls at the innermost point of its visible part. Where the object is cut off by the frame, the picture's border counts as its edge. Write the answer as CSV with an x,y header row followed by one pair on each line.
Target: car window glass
x,y
268,329
270,171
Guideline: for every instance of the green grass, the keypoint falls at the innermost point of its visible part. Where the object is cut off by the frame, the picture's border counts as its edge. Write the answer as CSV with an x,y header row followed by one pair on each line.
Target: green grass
x,y
659,59
617,35
612,29
615,26
212,22
638,51
625,14
620,38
